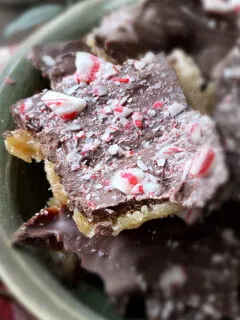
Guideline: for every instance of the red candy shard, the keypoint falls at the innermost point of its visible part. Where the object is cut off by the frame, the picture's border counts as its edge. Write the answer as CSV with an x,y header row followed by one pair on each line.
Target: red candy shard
x,y
22,108
121,80
158,105
130,178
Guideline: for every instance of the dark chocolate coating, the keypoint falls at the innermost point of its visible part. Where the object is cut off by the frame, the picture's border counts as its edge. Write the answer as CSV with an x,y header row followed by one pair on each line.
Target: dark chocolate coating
x,y
164,25
227,113
56,53
181,271
160,128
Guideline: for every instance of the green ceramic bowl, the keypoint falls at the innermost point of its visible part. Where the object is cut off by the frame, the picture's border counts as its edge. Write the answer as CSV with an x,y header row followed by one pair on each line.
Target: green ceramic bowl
x,y
23,188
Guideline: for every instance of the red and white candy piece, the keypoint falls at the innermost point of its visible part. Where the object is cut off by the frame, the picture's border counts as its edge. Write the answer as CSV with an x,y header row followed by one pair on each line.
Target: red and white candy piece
x,y
90,146
137,118
125,180
25,106
137,189
66,107
109,70
87,66
176,108
195,133
203,163
167,152
190,216
173,277
122,112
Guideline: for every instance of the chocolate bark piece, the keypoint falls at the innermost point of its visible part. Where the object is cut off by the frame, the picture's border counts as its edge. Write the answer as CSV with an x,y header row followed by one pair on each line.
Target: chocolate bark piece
x,y
227,113
126,140
46,57
163,26
179,270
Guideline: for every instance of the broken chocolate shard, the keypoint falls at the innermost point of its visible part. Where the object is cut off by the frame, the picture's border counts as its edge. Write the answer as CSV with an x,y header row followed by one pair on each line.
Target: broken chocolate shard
x,y
51,57
163,26
165,261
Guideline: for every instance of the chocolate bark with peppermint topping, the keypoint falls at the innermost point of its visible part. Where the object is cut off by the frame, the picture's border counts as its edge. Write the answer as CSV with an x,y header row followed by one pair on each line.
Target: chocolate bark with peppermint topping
x,y
165,25
180,271
227,113
125,138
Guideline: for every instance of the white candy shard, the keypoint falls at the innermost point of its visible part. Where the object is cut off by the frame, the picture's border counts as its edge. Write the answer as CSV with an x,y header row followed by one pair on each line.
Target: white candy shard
x,y
115,149
100,90
49,61
109,70
151,187
142,165
176,108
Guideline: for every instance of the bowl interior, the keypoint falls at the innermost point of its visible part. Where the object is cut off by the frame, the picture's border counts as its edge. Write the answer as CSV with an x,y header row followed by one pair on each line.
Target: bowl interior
x,y
24,189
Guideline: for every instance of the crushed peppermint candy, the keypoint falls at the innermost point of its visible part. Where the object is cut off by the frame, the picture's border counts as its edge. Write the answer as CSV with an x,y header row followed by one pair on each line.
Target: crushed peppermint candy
x,y
25,106
109,70
172,278
167,152
122,112
221,6
137,189
87,66
121,80
203,163
115,149
157,105
100,90
195,133
137,118
142,165
176,108
66,107
151,188
125,180
190,216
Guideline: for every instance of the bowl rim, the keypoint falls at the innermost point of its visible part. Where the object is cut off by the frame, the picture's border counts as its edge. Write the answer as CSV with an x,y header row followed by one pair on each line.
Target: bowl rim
x,y
12,259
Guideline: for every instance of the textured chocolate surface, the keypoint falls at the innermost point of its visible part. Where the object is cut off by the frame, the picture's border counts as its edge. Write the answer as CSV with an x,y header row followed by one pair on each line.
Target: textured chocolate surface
x,y
182,272
227,113
164,25
136,121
